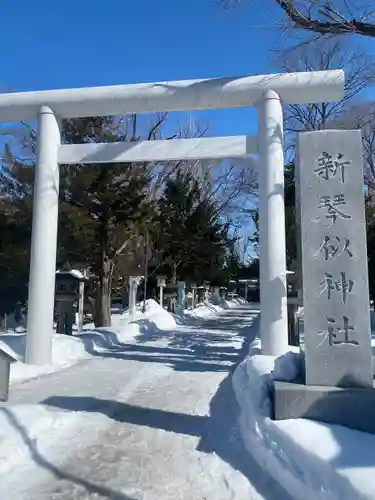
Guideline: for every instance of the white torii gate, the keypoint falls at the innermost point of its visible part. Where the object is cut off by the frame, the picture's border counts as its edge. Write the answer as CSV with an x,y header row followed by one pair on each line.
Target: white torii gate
x,y
266,92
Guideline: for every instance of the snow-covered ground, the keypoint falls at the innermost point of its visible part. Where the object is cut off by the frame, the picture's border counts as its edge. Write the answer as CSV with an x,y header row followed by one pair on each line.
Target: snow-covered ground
x,y
143,410
311,460
67,350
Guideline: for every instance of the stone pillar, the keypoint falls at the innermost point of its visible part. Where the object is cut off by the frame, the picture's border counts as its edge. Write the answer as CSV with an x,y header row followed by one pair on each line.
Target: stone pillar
x,y
133,285
337,333
216,294
161,284
43,241
194,295
81,303
273,292
181,294
161,297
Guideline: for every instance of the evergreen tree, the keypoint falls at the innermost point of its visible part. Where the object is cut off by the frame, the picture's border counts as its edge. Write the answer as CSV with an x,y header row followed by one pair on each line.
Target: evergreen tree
x,y
14,259
290,213
15,230
191,238
290,216
102,207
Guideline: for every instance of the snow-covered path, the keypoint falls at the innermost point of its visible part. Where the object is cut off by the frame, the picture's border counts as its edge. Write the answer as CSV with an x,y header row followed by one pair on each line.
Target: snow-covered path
x,y
154,419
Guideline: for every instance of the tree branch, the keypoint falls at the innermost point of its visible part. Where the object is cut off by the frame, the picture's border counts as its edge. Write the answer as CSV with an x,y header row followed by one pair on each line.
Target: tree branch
x,y
337,24
319,16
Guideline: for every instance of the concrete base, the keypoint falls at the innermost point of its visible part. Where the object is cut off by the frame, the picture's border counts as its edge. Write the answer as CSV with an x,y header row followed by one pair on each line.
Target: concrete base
x,y
349,407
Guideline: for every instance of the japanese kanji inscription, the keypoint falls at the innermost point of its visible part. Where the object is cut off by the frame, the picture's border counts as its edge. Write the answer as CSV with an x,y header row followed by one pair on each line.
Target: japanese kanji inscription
x,y
334,259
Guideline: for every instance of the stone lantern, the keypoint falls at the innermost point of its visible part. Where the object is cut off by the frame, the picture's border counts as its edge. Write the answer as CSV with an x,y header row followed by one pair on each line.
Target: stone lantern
x,y
68,291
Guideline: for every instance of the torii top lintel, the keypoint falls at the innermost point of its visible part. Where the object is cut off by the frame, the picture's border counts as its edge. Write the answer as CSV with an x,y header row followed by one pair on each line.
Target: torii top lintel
x,y
233,92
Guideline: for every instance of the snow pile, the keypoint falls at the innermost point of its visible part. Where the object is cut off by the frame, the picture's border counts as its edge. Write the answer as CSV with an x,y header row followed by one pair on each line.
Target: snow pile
x,y
73,272
311,460
67,350
206,310
231,304
43,436
25,425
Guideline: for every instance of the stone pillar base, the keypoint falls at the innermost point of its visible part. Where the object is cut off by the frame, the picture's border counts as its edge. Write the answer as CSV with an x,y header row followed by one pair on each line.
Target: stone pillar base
x,y
349,407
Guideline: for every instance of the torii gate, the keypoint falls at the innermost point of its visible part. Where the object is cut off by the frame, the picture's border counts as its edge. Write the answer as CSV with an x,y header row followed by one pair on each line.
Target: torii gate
x,y
266,92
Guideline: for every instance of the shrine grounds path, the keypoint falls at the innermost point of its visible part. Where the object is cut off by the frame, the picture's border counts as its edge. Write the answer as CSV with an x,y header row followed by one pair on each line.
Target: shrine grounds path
x,y
153,419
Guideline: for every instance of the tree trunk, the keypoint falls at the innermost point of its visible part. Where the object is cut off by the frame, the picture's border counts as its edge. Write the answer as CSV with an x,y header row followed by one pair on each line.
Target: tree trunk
x,y
102,315
174,273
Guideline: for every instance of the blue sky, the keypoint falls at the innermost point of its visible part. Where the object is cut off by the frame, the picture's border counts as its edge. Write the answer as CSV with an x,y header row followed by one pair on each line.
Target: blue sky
x,y
48,44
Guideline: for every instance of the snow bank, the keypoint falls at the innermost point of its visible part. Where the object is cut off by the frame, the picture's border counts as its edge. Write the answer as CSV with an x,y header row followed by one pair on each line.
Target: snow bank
x,y
230,304
67,350
311,460
24,425
208,310
38,434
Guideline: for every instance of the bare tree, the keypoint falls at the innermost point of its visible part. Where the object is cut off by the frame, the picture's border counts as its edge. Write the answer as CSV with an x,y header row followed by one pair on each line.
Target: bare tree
x,y
325,17
362,116
325,55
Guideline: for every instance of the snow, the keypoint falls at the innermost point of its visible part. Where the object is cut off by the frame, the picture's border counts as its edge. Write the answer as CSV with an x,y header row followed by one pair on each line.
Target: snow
x,y
67,350
148,414
311,460
35,420
207,310
73,272
144,410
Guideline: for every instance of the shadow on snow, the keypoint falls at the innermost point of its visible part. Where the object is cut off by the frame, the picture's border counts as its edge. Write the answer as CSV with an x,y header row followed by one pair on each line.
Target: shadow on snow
x,y
190,350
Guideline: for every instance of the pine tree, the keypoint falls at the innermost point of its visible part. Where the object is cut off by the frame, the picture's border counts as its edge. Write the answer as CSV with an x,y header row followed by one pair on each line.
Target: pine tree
x,y
190,235
290,216
290,213
105,206
15,230
102,207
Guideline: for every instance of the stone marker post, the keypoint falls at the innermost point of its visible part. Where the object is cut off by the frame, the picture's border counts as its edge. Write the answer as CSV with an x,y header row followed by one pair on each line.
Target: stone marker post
x,y
338,385
206,285
133,286
181,294
162,281
334,259
216,294
194,295
81,305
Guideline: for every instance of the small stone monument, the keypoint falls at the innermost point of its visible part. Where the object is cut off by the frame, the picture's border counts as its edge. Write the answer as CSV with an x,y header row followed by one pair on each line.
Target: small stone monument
x,y
201,293
215,296
134,282
193,287
232,289
170,294
206,285
181,294
245,283
338,372
67,293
